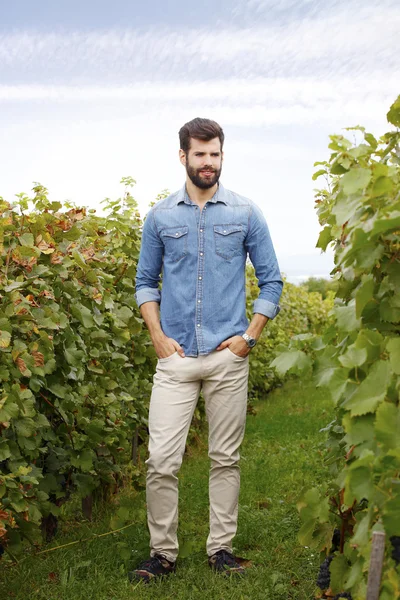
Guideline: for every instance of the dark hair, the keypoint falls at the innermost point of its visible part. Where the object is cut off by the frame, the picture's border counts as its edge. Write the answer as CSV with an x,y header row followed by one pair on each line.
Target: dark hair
x,y
199,129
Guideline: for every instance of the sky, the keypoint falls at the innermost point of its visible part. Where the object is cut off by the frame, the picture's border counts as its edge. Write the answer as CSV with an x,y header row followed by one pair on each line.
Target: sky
x,y
93,91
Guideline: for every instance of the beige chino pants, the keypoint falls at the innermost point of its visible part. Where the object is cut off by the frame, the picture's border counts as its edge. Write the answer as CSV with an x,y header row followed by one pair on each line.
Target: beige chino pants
x,y
223,377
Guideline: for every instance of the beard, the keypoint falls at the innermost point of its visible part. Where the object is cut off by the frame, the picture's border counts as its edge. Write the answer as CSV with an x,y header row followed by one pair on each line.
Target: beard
x,y
199,180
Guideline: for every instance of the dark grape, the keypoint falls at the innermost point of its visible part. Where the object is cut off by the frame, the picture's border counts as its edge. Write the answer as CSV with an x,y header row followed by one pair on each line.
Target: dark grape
x,y
324,575
342,595
1,550
395,541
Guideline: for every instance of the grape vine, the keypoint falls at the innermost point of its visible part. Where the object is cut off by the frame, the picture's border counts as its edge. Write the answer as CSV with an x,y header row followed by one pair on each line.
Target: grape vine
x,y
358,359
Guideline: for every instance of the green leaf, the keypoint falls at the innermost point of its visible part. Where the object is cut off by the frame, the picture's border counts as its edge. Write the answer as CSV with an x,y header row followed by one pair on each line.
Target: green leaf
x,y
358,429
346,317
371,140
393,347
393,116
4,373
371,341
318,174
359,484
306,531
361,535
4,450
83,461
381,187
388,223
388,311
364,294
57,389
27,239
338,569
49,483
353,357
391,516
355,180
312,506
338,168
123,314
388,425
74,356
5,338
25,427
15,285
291,360
325,237
83,315
371,391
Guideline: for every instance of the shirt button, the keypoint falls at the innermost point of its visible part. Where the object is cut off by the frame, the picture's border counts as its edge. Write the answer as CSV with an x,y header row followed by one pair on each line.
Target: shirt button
x,y
177,234
198,300
201,254
200,277
198,324
224,231
201,231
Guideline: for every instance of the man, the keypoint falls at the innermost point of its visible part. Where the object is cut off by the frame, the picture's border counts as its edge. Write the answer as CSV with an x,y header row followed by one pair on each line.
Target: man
x,y
199,237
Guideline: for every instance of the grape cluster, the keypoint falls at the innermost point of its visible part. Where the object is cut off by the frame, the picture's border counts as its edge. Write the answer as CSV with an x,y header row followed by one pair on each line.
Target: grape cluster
x,y
342,595
324,575
395,540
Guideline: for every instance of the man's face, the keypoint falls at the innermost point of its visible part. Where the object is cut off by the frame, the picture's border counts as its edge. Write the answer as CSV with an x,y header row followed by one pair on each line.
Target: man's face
x,y
203,162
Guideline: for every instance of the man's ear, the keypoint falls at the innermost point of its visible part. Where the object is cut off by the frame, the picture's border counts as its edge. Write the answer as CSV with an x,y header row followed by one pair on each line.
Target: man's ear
x,y
182,156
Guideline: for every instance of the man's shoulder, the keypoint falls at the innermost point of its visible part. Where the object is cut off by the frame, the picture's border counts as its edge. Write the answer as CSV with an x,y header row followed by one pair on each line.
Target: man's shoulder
x,y
235,199
169,201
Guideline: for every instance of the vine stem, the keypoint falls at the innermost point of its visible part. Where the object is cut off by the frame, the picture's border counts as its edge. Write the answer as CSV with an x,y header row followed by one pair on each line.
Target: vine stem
x,y
89,539
7,262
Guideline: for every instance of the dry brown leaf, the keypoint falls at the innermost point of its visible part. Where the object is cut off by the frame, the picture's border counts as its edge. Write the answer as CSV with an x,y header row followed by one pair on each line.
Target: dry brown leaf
x,y
21,365
39,358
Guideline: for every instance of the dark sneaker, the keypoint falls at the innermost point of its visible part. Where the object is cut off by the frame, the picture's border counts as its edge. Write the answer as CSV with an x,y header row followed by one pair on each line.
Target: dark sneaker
x,y
155,566
224,562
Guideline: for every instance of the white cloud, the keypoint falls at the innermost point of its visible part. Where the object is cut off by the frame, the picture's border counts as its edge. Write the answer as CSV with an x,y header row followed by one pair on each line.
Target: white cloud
x,y
357,38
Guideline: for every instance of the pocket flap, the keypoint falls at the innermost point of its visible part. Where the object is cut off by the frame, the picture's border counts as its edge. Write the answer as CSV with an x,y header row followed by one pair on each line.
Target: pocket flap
x,y
175,232
227,229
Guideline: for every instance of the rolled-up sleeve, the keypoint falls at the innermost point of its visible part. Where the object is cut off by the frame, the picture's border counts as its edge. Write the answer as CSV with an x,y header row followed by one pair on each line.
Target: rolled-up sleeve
x,y
149,267
262,255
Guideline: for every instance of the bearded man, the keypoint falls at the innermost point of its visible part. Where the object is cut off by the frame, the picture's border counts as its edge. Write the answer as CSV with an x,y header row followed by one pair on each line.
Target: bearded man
x,y
199,239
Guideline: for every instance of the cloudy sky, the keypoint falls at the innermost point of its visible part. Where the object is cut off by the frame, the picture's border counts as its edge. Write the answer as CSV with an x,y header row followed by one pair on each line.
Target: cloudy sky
x,y
94,90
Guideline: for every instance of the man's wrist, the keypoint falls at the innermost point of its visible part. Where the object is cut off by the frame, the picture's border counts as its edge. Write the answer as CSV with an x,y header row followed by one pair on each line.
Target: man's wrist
x,y
250,340
157,335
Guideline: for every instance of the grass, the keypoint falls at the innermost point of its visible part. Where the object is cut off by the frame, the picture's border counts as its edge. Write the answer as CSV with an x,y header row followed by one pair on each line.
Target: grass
x,y
279,457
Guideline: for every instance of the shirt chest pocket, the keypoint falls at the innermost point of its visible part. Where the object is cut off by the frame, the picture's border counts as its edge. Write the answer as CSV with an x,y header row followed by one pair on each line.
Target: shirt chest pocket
x,y
175,242
228,240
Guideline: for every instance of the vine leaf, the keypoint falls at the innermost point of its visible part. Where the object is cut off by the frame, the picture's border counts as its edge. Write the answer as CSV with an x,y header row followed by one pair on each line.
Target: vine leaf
x,y
371,391
393,347
387,425
355,180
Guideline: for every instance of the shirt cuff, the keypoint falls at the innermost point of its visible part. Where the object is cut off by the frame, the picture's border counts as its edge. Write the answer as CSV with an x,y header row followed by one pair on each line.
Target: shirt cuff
x,y
147,295
266,308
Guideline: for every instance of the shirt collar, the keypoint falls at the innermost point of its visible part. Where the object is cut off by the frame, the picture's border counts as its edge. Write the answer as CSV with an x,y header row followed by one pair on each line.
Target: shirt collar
x,y
219,196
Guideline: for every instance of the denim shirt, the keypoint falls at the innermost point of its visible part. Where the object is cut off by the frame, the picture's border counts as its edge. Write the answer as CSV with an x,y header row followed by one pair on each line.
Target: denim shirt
x,y
202,257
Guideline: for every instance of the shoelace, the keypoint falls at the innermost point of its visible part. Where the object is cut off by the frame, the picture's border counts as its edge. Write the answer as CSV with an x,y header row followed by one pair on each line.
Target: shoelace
x,y
223,557
154,561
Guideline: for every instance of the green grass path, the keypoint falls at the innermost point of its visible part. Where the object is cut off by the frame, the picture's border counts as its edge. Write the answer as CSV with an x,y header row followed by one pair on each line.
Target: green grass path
x,y
280,456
